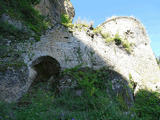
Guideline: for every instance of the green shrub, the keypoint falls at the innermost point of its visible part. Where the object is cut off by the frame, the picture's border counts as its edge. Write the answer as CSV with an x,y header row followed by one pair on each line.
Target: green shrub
x,y
118,41
23,11
127,46
34,2
147,105
107,37
158,61
97,30
66,21
6,111
8,29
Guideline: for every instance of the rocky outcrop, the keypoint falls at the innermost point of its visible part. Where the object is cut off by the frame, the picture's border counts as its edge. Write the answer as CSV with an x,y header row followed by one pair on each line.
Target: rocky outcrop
x,y
14,80
13,83
55,8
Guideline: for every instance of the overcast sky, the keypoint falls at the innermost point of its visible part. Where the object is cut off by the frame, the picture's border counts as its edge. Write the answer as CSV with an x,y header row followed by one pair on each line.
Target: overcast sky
x,y
147,11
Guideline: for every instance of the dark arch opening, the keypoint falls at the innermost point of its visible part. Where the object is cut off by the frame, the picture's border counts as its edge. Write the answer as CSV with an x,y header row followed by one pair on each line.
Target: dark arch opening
x,y
45,67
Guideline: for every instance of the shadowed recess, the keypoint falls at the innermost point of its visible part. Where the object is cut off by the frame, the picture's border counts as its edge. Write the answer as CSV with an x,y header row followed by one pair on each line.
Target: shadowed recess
x,y
45,67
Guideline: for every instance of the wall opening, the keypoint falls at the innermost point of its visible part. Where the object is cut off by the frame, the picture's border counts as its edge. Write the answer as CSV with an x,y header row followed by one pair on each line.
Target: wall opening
x,y
45,67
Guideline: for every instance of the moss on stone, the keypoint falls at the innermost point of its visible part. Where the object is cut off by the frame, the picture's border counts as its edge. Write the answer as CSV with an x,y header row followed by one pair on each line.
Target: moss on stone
x,y
16,65
66,21
118,41
23,11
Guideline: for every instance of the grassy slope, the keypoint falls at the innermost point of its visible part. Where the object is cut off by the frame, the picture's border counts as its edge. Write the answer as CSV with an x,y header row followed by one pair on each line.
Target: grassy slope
x,y
42,103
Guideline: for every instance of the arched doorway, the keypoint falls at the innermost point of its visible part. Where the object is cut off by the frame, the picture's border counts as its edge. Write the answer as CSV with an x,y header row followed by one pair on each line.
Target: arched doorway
x,y
45,67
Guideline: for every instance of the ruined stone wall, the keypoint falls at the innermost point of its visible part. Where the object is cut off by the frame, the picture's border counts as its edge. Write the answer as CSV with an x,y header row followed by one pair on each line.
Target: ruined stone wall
x,y
121,44
80,48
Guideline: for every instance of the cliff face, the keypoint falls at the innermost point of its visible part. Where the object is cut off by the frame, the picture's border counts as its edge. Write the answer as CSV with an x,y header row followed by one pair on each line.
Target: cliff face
x,y
120,43
20,27
53,9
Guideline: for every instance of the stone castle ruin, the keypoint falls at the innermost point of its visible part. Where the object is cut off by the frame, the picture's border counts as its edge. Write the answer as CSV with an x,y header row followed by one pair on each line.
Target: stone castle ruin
x,y
120,43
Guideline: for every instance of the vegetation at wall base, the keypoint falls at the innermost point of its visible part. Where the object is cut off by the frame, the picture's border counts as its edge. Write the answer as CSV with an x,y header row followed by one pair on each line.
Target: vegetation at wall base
x,y
147,105
91,103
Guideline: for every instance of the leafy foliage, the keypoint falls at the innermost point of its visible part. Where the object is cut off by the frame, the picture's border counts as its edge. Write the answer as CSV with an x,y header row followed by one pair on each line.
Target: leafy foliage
x,y
147,105
66,21
118,41
34,2
22,10
7,30
97,30
158,61
94,103
88,79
